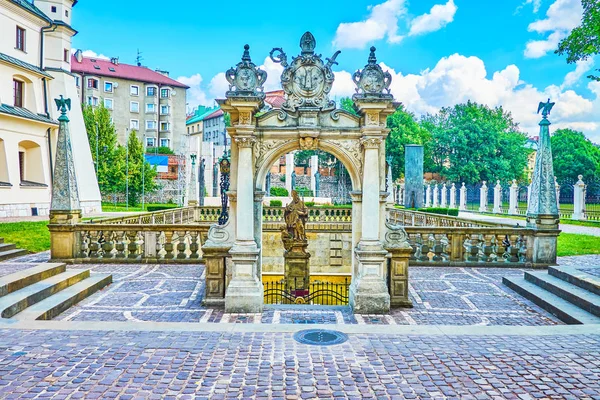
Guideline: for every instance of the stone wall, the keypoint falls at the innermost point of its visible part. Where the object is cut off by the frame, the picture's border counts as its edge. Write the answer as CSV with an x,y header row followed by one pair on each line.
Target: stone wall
x,y
168,192
330,252
329,186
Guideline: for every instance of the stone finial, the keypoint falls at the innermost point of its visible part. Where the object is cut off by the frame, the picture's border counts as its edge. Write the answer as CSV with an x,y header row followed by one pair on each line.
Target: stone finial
x,y
463,184
246,79
372,82
514,181
580,177
453,186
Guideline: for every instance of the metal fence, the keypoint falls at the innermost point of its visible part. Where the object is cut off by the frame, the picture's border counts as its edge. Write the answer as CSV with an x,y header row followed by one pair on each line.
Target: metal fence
x,y
297,292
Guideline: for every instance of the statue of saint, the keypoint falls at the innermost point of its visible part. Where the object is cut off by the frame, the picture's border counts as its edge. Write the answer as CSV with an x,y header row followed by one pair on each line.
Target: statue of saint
x,y
296,215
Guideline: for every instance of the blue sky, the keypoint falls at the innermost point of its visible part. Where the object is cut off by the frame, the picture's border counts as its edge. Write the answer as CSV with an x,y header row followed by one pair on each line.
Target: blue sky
x,y
440,51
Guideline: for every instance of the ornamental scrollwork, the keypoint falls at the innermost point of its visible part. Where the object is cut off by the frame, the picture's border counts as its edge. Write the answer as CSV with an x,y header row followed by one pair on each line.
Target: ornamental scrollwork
x,y
372,81
371,142
307,80
244,141
246,79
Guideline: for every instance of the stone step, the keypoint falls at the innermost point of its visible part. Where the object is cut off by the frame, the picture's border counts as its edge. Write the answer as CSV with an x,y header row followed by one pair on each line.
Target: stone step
x,y
564,310
18,280
8,254
7,246
586,281
16,302
61,301
583,299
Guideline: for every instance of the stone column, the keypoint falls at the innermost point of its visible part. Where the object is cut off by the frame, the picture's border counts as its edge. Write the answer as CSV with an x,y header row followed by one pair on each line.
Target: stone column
x,y
192,190
369,292
513,206
579,199
388,181
444,202
314,168
413,177
542,210
436,195
401,192
483,195
289,168
497,198
453,196
463,198
428,195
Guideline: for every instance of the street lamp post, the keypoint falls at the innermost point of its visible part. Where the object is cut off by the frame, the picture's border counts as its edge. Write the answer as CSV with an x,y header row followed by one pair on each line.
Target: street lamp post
x,y
127,170
97,135
144,174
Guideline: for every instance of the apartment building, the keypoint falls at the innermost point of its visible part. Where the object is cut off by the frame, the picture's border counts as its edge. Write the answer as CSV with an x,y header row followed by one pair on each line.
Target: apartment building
x,y
138,98
35,56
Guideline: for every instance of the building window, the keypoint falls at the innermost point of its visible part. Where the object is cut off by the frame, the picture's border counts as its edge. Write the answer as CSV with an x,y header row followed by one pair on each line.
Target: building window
x,y
135,90
92,83
164,142
20,38
108,103
134,106
164,93
53,8
151,91
67,13
150,108
150,142
134,124
77,81
150,124
164,110
108,87
66,55
92,101
18,92
96,67
164,126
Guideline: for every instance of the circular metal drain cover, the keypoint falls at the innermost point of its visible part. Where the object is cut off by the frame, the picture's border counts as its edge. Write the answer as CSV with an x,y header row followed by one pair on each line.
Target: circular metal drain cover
x,y
320,337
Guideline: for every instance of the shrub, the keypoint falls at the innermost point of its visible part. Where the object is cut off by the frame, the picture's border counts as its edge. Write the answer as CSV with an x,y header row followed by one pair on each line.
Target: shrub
x,y
310,204
442,211
279,192
161,207
304,192
275,203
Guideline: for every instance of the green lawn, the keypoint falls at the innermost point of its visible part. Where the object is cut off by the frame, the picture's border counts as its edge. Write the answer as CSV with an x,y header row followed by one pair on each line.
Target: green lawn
x,y
572,244
122,207
31,236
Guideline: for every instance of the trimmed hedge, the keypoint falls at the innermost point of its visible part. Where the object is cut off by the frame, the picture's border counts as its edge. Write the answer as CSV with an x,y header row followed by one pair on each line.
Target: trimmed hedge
x,y
443,211
304,192
309,204
279,192
161,207
275,203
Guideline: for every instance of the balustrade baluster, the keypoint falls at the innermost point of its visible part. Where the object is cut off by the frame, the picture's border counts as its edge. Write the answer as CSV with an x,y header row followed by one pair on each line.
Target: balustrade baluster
x,y
423,249
108,245
84,241
169,245
181,246
194,246
94,245
522,246
120,244
487,249
132,245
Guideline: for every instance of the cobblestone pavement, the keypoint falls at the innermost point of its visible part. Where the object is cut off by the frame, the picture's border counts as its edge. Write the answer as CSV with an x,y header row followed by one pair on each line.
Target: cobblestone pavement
x,y
441,296
224,365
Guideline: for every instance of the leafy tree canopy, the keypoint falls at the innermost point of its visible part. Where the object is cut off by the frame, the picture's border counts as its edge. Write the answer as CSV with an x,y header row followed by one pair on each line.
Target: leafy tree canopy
x,y
584,40
573,155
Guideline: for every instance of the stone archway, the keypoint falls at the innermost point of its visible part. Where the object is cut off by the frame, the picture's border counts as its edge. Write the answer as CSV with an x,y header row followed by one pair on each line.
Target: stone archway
x,y
308,120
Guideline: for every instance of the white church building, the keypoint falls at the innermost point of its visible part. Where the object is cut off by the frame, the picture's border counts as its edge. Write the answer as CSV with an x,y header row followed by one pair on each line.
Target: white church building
x,y
35,55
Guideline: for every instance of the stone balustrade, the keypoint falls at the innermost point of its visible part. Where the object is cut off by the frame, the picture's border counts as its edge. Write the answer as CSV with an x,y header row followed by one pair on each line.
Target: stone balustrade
x,y
417,218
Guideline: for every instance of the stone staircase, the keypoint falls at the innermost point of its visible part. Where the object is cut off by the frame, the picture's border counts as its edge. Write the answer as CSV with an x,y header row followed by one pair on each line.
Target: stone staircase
x,y
572,294
8,250
46,290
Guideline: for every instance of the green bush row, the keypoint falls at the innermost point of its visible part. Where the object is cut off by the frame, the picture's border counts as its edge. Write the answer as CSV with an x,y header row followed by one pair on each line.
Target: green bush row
x,y
279,192
275,203
439,210
161,207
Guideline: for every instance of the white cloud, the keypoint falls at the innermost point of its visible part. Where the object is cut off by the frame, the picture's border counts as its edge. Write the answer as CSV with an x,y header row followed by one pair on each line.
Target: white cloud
x,y
438,17
381,22
536,5
562,16
195,94
572,77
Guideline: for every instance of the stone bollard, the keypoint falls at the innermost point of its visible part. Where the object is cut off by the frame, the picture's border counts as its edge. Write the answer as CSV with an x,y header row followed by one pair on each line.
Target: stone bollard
x,y
483,194
436,195
453,196
396,243
579,199
513,198
428,196
463,198
444,203
497,198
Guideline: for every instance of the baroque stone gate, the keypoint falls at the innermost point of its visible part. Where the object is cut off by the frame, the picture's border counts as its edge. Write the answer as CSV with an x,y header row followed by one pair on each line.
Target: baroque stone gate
x,y
307,120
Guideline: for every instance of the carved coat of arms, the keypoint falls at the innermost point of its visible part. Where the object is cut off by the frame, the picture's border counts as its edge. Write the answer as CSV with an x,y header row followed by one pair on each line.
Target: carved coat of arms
x,y
307,80
246,79
372,81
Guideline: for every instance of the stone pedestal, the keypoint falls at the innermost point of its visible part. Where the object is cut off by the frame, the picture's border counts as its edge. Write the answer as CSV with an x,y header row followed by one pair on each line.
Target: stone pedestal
x,y
453,196
396,242
444,201
483,201
297,268
497,198
413,176
428,195
369,292
462,201
215,261
579,199
245,292
436,195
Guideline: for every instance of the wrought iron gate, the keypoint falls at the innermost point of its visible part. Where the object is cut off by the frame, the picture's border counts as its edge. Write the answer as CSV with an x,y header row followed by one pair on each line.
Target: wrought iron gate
x,y
317,292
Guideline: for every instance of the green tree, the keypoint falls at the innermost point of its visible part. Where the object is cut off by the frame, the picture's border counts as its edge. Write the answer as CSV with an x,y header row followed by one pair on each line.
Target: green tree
x,y
583,41
404,129
574,155
141,174
105,151
347,104
472,143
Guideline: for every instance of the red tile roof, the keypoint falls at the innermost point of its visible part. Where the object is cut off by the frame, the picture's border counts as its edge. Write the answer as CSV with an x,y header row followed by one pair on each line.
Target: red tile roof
x,y
216,114
275,99
123,71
